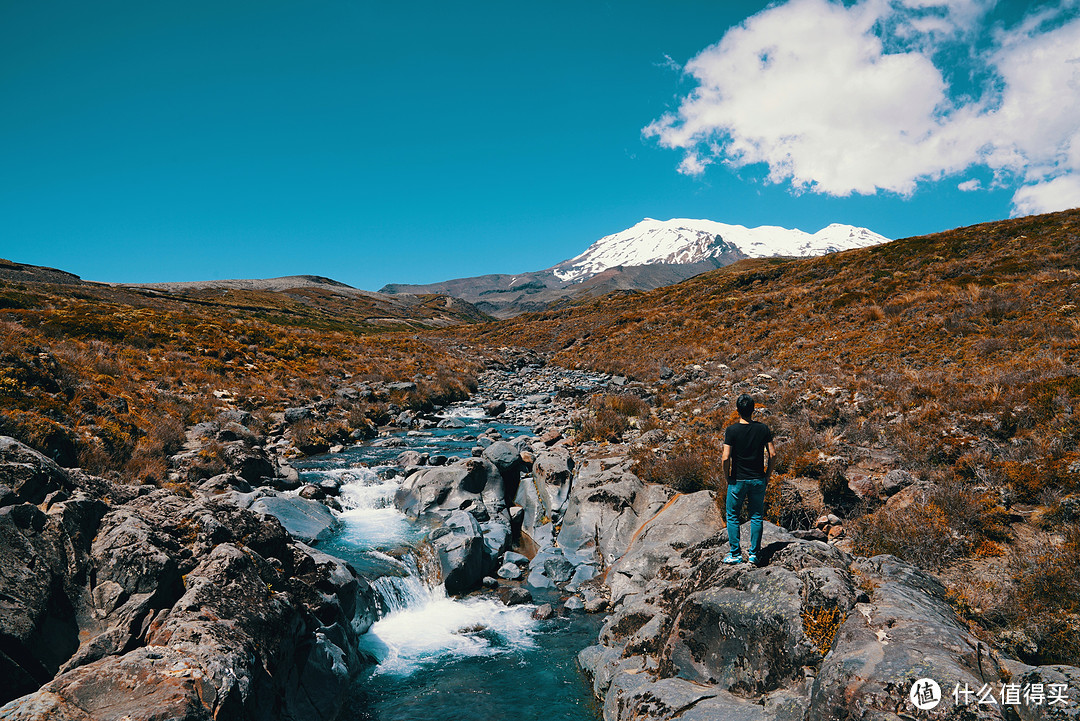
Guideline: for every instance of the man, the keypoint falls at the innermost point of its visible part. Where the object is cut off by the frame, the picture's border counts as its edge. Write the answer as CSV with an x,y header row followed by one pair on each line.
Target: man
x,y
746,444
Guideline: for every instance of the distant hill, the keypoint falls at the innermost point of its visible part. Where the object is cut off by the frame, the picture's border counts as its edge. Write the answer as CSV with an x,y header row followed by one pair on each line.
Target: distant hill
x,y
651,254
302,300
12,272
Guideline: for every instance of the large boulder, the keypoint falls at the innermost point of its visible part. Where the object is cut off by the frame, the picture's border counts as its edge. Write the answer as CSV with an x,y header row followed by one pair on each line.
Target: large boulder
x,y
43,565
28,475
251,464
606,506
305,520
459,546
507,458
170,607
907,627
440,490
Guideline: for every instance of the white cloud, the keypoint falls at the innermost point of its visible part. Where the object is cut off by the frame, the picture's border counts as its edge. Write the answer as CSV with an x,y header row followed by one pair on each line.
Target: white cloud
x,y
1061,193
840,100
969,185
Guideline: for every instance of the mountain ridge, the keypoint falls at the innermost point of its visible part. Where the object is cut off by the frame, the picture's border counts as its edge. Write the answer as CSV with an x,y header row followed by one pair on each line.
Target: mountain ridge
x,y
650,254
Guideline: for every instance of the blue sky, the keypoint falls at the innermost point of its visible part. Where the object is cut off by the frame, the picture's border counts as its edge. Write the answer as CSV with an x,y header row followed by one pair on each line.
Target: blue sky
x,y
420,141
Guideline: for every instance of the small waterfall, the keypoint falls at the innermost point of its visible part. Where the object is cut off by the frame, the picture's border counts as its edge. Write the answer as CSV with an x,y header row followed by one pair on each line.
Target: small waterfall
x,y
438,657
412,588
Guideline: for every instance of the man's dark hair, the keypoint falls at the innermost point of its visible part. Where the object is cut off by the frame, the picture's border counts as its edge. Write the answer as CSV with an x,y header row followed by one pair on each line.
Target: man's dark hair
x,y
744,404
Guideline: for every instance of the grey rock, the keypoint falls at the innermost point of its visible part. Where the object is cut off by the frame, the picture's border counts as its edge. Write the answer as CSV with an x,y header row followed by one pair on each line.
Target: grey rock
x,y
895,481
907,625
606,506
461,553
409,458
29,475
251,464
437,490
558,570
543,612
516,558
516,596
297,414
451,423
304,519
509,571
538,580
1066,678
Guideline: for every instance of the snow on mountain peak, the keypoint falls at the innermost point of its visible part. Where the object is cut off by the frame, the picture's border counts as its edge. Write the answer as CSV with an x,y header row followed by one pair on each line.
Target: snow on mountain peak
x,y
682,240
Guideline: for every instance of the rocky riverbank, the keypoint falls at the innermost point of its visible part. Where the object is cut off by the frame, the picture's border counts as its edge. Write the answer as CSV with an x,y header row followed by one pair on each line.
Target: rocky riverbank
x,y
814,633
139,601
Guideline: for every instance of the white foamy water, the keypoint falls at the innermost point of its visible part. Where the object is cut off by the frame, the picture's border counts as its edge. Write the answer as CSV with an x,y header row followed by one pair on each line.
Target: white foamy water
x,y
421,624
370,519
464,412
437,626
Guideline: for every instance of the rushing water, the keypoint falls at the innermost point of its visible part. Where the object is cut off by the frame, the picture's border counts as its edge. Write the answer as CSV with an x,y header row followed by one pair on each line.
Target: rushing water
x,y
442,658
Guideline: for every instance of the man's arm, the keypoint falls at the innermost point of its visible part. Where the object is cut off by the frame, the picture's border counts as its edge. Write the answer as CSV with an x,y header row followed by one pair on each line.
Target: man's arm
x,y
771,450
725,463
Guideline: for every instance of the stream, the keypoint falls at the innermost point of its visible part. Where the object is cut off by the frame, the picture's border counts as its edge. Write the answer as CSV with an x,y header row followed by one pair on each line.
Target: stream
x,y
469,658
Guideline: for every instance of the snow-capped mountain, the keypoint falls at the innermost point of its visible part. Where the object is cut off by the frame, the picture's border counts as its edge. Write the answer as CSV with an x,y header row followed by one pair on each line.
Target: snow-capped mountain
x,y
683,241
652,254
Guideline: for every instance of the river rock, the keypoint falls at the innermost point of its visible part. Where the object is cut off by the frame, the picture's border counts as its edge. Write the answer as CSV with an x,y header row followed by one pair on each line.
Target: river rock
x,y
494,408
443,489
509,571
409,458
251,464
460,553
516,596
497,540
451,423
543,612
304,519
28,475
172,607
606,506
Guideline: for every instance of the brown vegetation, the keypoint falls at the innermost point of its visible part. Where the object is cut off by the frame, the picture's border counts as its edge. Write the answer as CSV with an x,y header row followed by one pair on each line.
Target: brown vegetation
x,y
108,378
951,356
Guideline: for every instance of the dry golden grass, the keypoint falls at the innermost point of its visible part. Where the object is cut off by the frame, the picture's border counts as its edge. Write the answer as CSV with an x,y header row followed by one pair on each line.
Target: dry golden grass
x,y
108,378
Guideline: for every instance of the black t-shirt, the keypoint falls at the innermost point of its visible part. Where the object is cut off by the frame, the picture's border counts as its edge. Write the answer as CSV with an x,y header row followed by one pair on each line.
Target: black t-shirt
x,y
747,441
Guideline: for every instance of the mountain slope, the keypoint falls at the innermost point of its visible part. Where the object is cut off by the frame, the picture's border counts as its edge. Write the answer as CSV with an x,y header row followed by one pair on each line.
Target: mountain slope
x,y
929,387
683,241
651,254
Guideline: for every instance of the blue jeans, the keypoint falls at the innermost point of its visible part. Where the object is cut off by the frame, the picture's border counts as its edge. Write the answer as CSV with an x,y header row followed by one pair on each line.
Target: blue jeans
x,y
752,490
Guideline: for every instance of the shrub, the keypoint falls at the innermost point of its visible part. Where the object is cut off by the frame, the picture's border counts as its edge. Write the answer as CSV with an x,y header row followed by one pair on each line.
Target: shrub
x,y
820,626
684,471
918,533
1046,593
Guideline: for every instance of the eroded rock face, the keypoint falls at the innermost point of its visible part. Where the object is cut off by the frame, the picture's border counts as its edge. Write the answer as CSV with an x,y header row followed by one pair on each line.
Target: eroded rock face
x,y
812,634
440,490
606,506
28,475
906,628
167,607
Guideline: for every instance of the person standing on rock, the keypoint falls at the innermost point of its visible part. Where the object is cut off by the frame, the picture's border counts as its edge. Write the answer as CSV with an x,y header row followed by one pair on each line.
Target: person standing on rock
x,y
747,473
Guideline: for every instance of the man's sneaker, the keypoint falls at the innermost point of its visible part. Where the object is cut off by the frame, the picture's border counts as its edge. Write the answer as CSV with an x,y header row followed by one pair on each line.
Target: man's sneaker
x,y
752,559
732,558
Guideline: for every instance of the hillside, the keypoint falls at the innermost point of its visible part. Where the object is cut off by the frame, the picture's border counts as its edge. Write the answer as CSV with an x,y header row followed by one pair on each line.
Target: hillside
x,y
651,254
952,358
108,377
